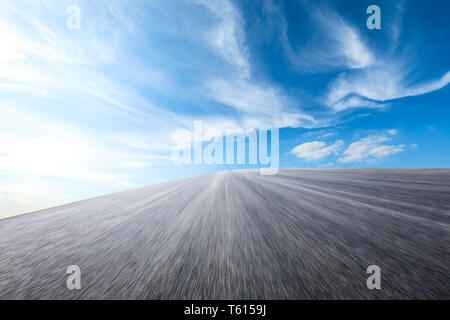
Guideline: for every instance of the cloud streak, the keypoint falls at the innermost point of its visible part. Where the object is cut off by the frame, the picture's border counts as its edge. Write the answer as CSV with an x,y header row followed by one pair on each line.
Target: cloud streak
x,y
316,150
374,87
368,148
228,37
371,147
335,45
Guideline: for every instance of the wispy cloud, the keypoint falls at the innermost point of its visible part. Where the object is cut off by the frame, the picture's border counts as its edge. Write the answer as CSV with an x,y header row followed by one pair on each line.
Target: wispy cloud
x,y
336,44
371,79
316,150
228,37
347,42
368,148
352,102
374,87
259,105
50,58
392,132
371,147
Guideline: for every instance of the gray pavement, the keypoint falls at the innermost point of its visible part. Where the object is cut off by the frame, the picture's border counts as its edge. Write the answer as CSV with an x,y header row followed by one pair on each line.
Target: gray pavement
x,y
301,234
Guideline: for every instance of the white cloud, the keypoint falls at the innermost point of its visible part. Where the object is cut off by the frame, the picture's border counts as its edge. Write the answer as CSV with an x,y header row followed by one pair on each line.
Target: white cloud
x,y
370,147
37,56
392,132
384,151
350,46
316,150
356,102
31,31
372,87
335,44
247,97
228,37
426,87
259,106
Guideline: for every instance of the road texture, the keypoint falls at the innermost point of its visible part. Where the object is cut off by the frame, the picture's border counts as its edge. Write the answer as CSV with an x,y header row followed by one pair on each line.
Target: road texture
x,y
301,234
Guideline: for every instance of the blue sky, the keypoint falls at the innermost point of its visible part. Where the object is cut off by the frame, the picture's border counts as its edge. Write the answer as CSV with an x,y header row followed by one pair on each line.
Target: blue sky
x,y
89,111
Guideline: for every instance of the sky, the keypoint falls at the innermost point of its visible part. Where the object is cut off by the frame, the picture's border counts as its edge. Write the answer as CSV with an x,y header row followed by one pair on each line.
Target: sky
x,y
91,110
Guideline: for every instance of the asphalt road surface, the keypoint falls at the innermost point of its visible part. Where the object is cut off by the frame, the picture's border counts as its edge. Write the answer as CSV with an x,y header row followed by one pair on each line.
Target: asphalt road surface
x,y
301,234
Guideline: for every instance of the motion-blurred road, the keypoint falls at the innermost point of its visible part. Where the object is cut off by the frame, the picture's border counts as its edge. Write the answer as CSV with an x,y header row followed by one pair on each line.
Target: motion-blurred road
x,y
301,234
